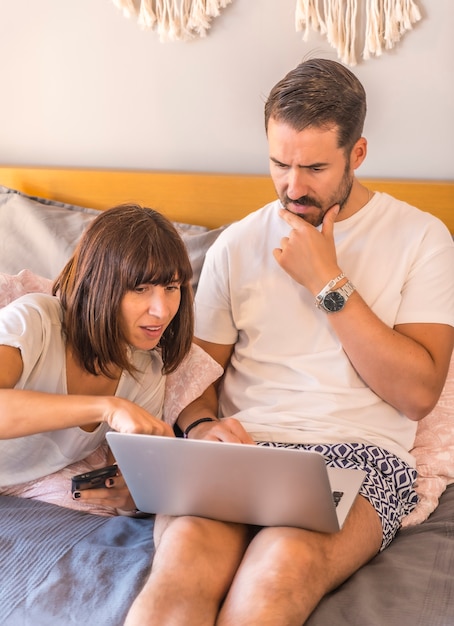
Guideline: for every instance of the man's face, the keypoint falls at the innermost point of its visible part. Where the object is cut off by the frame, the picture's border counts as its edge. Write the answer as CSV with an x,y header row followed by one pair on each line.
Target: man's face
x,y
310,173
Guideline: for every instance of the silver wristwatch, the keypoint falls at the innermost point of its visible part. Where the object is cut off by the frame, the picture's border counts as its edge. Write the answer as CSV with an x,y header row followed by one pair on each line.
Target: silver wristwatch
x,y
335,300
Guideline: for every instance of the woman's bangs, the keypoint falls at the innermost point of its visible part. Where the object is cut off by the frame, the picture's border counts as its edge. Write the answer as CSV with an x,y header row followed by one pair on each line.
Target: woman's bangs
x,y
155,269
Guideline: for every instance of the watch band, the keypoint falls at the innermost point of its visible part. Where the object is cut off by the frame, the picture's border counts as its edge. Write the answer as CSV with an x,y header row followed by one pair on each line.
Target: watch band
x,y
332,283
335,300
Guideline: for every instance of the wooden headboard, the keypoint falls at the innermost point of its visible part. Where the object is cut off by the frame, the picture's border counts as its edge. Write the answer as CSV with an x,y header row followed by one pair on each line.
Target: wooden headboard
x,y
207,199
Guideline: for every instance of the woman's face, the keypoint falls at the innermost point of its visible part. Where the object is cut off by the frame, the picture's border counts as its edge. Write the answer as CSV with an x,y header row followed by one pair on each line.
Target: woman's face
x,y
146,311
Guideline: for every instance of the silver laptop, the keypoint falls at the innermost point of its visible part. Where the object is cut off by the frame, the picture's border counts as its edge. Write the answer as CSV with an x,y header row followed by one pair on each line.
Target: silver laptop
x,y
235,482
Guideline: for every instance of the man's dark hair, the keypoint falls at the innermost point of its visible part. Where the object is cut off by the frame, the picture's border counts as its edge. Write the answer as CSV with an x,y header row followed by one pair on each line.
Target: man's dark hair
x,y
320,93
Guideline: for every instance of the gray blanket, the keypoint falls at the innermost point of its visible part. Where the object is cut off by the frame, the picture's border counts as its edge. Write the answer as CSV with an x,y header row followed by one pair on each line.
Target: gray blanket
x,y
60,567
411,583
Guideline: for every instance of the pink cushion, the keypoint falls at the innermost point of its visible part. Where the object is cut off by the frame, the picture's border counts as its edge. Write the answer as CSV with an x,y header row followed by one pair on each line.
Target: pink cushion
x,y
14,286
434,453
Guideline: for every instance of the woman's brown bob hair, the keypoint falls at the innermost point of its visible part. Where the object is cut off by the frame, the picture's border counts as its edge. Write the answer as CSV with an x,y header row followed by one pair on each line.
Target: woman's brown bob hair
x,y
126,246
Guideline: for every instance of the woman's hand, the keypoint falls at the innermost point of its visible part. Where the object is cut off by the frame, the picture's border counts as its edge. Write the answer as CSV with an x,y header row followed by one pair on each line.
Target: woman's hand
x,y
115,494
126,417
225,429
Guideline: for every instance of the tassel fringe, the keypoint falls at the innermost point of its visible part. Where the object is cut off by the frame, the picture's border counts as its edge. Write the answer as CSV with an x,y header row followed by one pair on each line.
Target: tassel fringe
x,y
173,19
386,22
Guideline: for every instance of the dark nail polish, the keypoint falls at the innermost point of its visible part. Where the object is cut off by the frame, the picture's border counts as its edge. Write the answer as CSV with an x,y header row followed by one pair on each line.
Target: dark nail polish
x,y
76,494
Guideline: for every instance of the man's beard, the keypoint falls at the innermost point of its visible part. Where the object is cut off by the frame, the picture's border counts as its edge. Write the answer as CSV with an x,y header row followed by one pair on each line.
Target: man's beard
x,y
340,197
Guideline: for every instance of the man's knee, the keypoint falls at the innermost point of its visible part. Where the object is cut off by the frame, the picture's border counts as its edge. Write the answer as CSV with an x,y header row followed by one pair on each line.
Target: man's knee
x,y
285,553
203,538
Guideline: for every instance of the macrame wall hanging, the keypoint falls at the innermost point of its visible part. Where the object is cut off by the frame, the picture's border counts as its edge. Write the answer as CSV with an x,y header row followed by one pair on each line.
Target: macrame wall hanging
x,y
378,26
374,25
173,19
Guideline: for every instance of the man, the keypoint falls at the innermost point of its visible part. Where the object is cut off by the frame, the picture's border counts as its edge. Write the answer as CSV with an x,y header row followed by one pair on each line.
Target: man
x,y
332,312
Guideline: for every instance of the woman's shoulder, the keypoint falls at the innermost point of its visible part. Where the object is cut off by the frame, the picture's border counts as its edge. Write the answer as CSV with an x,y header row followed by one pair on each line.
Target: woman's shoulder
x,y
35,304
33,324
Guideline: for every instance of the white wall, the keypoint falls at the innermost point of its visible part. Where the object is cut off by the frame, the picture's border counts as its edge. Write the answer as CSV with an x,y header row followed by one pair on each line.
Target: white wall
x,y
84,86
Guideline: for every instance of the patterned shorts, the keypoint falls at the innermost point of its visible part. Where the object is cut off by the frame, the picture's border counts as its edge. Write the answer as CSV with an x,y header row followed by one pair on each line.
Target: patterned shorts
x,y
388,484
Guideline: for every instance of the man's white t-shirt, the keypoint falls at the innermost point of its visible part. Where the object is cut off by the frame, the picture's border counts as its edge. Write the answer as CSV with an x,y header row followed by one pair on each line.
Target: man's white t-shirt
x,y
33,323
289,379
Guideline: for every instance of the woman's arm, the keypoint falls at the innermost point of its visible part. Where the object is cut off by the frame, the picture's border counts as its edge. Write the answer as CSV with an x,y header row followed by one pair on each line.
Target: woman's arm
x,y
24,412
227,429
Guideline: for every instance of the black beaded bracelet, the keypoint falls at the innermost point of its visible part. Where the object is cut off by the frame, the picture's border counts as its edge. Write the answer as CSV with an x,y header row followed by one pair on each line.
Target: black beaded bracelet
x,y
196,423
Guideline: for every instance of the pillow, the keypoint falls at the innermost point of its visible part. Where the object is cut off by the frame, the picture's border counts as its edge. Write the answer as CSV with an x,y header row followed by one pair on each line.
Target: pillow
x,y
12,287
189,381
55,488
40,234
197,239
434,453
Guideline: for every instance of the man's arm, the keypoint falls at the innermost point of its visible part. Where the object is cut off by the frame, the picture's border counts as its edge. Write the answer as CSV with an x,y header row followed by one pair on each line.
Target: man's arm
x,y
405,365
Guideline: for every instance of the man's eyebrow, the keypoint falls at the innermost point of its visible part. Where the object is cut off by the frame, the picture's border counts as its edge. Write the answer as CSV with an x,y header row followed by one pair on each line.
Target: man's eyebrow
x,y
305,167
276,161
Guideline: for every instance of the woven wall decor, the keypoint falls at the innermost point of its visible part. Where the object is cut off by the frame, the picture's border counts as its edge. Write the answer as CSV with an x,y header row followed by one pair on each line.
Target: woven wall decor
x,y
374,25
173,19
352,27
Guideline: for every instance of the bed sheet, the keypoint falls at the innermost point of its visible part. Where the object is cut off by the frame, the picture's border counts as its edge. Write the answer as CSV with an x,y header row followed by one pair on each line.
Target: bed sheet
x,y
60,567
409,584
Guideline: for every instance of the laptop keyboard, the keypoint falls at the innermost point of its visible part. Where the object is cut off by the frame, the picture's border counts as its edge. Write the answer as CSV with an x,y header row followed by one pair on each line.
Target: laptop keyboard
x,y
337,495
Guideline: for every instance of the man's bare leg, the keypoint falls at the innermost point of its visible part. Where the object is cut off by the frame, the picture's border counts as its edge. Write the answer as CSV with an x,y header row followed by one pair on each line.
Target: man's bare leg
x,y
194,564
286,572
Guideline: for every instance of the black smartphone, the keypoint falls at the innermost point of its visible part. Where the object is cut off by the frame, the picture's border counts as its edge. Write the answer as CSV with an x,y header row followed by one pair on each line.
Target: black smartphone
x,y
94,479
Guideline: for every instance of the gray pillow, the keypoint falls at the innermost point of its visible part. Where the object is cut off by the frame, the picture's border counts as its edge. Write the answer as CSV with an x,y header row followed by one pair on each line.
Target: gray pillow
x,y
197,239
40,234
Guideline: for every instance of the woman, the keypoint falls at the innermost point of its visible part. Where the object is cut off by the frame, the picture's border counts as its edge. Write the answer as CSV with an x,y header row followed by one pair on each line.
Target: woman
x,y
93,356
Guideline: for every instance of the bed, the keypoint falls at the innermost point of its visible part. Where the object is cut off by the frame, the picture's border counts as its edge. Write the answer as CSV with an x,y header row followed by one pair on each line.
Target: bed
x,y
61,566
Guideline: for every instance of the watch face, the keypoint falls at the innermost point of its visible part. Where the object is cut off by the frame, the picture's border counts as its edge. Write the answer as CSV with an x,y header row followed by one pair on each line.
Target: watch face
x,y
333,301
